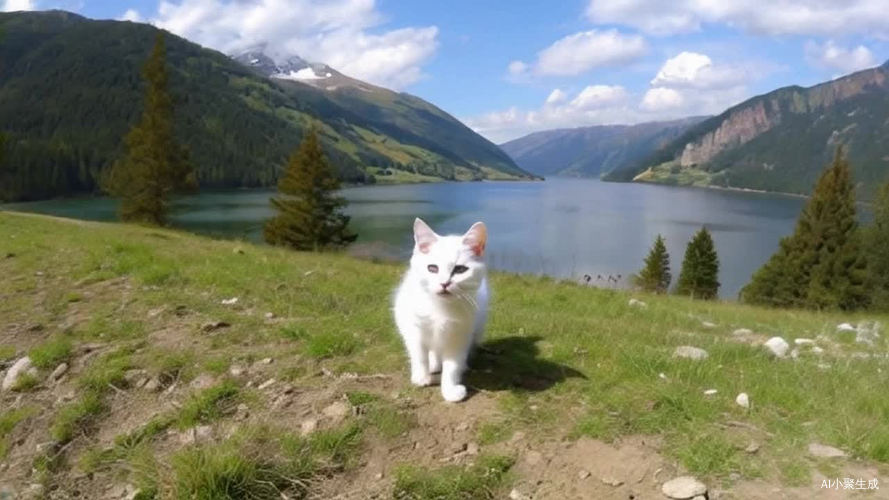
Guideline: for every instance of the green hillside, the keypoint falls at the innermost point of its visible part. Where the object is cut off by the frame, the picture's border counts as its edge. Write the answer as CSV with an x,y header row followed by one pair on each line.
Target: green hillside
x,y
780,141
196,368
593,151
70,88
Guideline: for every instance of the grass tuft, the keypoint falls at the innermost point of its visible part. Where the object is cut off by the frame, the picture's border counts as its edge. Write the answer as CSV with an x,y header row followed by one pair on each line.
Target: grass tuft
x,y
50,353
207,405
486,479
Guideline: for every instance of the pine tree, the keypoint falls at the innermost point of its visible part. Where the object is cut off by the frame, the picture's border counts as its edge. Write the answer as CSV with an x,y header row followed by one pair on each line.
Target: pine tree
x,y
655,276
699,276
154,166
309,216
823,264
878,250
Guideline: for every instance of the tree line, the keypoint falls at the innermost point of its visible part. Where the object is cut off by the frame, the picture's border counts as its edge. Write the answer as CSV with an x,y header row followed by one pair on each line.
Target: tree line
x,y
829,262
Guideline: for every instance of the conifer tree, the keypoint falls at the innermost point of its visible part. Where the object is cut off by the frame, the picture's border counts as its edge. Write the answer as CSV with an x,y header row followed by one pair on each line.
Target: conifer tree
x,y
823,264
309,216
699,277
154,166
878,250
655,276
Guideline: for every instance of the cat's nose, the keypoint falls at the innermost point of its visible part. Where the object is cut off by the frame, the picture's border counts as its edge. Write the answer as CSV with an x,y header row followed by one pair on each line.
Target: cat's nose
x,y
445,285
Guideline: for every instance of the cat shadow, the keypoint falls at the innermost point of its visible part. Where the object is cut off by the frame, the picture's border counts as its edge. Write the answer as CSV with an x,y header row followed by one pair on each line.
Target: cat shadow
x,y
514,364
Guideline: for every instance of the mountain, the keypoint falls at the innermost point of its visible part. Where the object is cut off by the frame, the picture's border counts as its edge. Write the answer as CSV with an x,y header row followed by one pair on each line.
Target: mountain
x,y
70,88
781,141
592,151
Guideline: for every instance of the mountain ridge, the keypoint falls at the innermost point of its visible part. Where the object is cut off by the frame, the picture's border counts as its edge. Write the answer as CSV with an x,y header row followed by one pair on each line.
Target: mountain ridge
x,y
71,88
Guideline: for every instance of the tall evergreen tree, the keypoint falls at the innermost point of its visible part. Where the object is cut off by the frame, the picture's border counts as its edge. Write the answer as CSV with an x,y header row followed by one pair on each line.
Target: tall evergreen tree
x,y
309,216
823,264
655,276
699,276
155,165
878,250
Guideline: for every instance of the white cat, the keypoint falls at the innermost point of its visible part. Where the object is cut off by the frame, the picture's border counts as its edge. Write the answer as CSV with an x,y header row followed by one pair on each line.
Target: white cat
x,y
441,305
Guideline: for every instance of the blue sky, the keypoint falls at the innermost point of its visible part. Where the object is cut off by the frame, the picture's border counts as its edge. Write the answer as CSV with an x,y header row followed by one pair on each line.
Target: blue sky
x,y
508,68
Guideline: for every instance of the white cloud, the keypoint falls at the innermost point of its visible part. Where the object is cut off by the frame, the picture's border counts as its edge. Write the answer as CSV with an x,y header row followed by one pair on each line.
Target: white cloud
x,y
694,70
832,56
775,17
17,5
556,97
517,68
661,99
595,104
131,15
336,32
581,52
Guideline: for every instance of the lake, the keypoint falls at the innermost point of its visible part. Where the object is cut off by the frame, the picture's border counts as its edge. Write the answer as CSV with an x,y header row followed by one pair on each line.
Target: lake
x,y
561,227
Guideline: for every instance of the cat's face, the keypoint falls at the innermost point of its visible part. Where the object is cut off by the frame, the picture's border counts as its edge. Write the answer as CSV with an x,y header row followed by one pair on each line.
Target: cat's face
x,y
449,266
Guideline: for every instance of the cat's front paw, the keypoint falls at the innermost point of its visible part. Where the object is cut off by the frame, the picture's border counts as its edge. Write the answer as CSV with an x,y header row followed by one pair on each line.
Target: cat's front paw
x,y
421,379
453,393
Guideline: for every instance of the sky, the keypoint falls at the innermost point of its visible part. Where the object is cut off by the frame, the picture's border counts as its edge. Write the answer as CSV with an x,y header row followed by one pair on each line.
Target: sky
x,y
509,68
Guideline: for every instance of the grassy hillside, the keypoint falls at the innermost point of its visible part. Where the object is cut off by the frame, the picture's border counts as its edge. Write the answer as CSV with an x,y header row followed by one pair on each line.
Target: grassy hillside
x,y
70,88
780,141
299,386
593,151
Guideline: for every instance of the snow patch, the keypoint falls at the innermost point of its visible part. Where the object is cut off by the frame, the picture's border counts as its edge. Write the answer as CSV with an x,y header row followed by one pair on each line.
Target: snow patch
x,y
303,74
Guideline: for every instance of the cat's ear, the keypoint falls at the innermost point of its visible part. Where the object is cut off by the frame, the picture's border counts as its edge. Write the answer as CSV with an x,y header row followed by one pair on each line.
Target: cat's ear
x,y
476,238
424,236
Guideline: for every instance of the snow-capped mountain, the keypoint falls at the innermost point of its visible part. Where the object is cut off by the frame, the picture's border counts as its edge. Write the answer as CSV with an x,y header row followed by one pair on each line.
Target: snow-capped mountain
x,y
295,68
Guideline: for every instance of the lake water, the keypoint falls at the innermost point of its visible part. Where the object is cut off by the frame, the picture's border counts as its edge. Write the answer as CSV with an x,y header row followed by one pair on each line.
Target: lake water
x,y
561,227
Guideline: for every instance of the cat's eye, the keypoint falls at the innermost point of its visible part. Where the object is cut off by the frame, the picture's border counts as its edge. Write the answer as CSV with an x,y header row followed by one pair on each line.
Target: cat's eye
x,y
432,268
460,269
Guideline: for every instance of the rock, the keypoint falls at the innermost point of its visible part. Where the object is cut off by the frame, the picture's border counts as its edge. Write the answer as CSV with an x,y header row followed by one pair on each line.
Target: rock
x,y
845,327
186,437
153,385
336,410
684,488
867,333
236,370
611,481
472,449
134,493
268,383
817,350
515,494
230,302
583,474
203,433
710,392
689,352
662,376
753,447
132,376
378,476
777,347
269,315
699,497
212,326
637,303
242,412
59,371
803,341
308,427
743,400
825,451
20,367
203,381
707,324
742,332
794,353
266,361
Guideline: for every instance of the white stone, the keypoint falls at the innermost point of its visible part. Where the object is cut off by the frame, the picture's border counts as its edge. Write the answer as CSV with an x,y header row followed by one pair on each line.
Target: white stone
x,y
690,352
236,370
803,341
517,495
742,332
19,368
710,392
268,383
743,400
637,303
824,451
777,346
269,315
845,327
708,324
230,302
336,410
683,488
59,371
203,433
